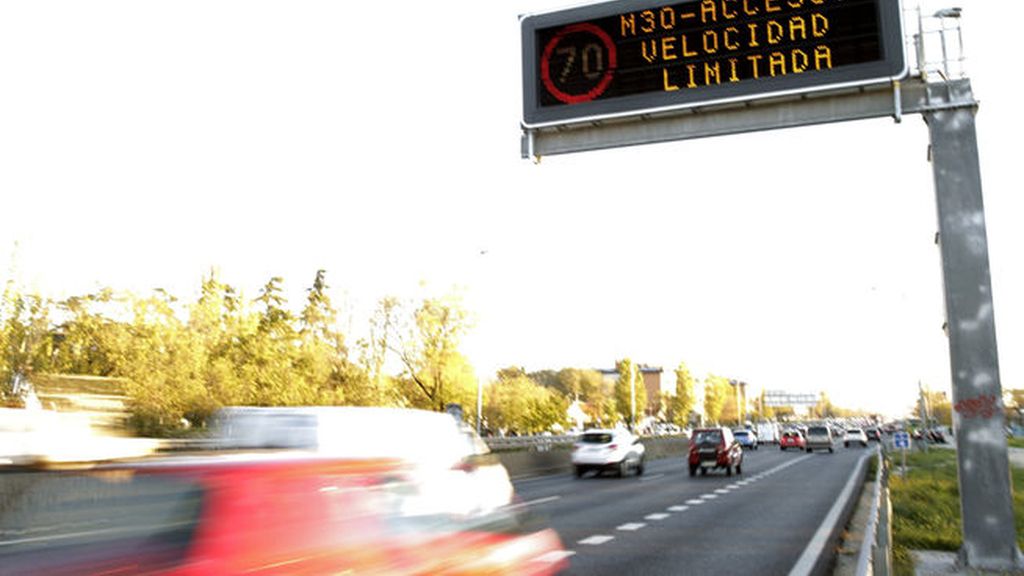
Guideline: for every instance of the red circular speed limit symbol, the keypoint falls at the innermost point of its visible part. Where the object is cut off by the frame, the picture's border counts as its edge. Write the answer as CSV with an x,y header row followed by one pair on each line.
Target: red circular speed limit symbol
x,y
578,63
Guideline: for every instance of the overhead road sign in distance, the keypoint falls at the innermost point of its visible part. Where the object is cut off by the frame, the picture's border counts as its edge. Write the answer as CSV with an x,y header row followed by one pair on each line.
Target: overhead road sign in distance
x,y
632,57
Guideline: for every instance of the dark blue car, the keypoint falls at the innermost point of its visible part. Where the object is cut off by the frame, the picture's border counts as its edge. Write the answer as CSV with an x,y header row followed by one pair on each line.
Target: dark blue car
x,y
746,438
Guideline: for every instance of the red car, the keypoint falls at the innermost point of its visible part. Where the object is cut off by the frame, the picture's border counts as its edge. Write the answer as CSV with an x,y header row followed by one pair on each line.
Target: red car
x,y
715,448
270,513
792,439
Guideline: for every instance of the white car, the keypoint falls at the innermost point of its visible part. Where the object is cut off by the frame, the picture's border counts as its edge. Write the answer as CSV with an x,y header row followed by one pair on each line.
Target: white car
x,y
617,450
855,436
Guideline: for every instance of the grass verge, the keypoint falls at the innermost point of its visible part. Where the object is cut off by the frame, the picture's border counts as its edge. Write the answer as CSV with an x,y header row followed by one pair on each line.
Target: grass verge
x,y
1015,442
926,506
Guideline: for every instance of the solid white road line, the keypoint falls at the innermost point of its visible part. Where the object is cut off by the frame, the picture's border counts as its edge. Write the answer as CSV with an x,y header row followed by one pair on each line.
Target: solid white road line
x,y
596,540
805,565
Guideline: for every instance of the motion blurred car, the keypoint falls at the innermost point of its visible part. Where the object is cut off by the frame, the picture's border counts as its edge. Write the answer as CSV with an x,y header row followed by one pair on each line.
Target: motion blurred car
x,y
792,439
448,455
715,448
818,438
264,513
855,436
746,438
873,434
616,450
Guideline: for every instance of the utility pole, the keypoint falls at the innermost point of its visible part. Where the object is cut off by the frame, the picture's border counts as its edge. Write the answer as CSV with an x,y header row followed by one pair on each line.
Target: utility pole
x,y
986,501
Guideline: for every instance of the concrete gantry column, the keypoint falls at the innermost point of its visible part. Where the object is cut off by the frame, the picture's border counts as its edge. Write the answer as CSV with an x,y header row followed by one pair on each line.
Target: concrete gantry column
x,y
986,502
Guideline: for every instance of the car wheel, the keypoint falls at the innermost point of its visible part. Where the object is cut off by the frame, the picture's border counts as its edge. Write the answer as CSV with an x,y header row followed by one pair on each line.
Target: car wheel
x,y
783,448
810,449
640,467
847,444
829,449
739,469
728,470
693,470
578,471
703,471
622,469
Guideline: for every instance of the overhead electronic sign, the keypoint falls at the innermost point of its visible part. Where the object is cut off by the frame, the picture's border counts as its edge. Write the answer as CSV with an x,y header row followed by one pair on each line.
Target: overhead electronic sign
x,y
633,56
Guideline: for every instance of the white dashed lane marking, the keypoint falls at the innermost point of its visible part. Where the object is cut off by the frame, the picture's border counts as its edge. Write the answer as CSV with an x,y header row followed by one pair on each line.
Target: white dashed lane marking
x,y
657,516
694,501
678,508
596,540
631,526
709,496
554,556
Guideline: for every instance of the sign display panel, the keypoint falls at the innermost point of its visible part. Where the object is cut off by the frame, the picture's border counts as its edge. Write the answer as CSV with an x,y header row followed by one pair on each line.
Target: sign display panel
x,y
631,57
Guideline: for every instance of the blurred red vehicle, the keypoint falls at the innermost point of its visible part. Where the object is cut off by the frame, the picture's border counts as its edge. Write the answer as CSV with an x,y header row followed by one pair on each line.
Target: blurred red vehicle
x,y
269,513
792,439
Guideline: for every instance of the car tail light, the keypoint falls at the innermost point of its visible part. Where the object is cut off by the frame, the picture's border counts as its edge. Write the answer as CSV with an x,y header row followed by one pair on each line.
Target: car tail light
x,y
613,446
465,465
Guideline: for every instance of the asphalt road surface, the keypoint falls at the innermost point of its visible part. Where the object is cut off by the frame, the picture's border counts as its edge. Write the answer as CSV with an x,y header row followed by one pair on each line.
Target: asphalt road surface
x,y
665,522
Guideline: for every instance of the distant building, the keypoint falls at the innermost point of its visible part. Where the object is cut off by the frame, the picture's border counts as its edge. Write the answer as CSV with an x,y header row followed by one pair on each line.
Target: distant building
x,y
652,383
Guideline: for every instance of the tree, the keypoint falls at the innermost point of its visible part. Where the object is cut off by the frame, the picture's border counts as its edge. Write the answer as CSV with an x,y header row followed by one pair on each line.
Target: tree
x,y
716,392
630,392
25,340
164,367
515,402
428,349
824,407
763,410
682,403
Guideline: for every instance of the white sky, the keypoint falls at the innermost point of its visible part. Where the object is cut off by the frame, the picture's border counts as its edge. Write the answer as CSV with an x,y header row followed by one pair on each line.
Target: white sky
x,y
143,142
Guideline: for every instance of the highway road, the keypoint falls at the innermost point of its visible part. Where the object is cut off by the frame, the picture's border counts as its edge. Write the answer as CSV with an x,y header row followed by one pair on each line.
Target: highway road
x,y
665,522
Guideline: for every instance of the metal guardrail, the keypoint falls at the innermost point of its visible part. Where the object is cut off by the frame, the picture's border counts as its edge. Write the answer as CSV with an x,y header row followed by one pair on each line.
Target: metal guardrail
x,y
875,556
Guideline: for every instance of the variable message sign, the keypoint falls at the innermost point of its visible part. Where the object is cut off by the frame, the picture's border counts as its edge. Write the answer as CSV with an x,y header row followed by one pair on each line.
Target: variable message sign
x,y
631,57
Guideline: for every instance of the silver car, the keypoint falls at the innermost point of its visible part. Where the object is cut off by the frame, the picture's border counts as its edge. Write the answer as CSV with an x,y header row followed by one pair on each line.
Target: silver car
x,y
818,438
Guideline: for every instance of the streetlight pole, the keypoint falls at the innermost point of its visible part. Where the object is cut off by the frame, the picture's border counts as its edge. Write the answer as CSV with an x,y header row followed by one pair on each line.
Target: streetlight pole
x,y
632,396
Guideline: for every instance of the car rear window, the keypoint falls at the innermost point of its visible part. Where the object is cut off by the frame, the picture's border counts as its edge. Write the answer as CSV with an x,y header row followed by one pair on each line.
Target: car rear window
x,y
708,437
65,523
596,438
817,430
853,431
741,433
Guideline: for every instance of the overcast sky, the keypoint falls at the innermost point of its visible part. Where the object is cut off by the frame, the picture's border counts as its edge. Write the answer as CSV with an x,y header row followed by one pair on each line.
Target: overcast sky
x,y
142,143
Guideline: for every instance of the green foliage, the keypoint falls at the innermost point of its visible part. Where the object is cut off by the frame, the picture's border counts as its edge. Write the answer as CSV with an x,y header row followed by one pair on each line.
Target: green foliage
x,y
515,402
26,345
926,504
435,374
